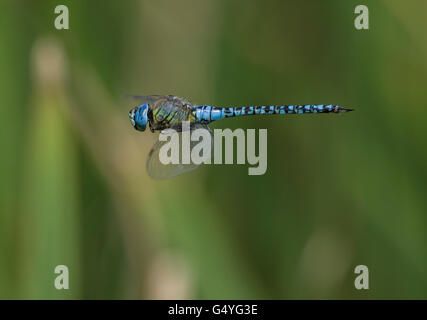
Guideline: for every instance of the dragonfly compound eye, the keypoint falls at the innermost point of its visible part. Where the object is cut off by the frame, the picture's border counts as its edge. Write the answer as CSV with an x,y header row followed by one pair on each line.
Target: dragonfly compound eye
x,y
140,118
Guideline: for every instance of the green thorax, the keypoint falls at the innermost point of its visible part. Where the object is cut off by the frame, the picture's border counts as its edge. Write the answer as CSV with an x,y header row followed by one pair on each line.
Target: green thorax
x,y
170,114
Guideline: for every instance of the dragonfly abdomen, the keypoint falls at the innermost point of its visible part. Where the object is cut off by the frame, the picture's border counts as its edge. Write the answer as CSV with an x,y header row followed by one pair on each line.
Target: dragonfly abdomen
x,y
206,114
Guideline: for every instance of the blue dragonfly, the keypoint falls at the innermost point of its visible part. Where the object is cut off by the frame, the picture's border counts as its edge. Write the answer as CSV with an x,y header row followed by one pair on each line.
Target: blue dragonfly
x,y
162,112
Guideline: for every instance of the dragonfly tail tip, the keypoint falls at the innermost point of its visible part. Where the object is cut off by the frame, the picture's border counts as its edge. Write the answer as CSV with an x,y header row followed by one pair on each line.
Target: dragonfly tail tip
x,y
346,109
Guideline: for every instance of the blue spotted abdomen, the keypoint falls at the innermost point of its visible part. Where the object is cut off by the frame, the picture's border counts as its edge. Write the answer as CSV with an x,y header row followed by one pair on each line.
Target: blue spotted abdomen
x,y
206,114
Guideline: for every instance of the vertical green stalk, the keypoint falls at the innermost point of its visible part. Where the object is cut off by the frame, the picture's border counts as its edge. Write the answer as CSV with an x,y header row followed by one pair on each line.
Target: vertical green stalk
x,y
49,225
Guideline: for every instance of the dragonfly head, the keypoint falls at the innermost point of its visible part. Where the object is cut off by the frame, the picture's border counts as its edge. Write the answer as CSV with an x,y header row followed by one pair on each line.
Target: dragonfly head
x,y
138,117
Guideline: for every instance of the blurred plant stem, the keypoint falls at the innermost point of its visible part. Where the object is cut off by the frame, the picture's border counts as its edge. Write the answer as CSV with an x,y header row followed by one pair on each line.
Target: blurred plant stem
x,y
49,223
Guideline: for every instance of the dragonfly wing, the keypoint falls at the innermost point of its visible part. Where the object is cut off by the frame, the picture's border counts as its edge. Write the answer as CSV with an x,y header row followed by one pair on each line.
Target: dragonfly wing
x,y
157,170
151,100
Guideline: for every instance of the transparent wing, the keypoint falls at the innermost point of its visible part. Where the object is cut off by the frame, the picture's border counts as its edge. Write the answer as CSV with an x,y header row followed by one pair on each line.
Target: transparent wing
x,y
151,100
157,170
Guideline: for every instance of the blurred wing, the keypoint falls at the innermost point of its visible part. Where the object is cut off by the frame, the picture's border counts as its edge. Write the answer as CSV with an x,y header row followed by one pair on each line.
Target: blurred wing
x,y
157,170
151,100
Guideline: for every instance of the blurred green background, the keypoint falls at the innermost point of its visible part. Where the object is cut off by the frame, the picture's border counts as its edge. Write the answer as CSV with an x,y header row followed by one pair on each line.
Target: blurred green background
x,y
339,191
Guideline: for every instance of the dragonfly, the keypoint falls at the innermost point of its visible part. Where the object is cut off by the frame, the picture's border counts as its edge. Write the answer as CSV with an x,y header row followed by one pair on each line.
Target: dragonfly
x,y
161,112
